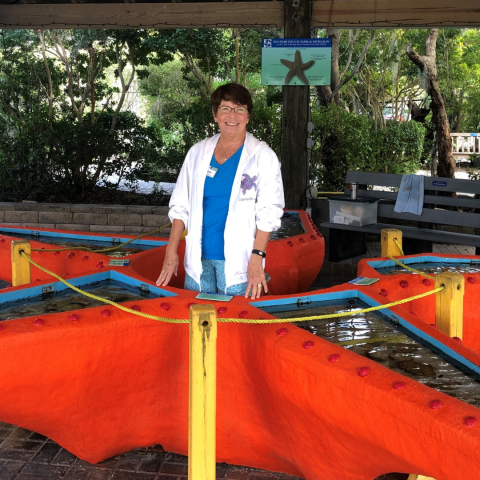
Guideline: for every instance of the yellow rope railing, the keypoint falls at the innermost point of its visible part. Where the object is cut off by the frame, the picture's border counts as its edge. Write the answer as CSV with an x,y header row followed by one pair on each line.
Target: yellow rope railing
x,y
405,266
229,320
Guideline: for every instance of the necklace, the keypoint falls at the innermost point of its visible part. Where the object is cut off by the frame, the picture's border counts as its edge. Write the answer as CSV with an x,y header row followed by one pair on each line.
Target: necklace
x,y
223,152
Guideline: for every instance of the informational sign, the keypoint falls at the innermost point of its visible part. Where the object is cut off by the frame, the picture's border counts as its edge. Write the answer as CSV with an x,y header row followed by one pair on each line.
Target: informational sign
x,y
118,262
296,61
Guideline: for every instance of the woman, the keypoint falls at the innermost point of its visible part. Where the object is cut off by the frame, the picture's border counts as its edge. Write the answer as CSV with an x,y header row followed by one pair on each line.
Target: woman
x,y
229,195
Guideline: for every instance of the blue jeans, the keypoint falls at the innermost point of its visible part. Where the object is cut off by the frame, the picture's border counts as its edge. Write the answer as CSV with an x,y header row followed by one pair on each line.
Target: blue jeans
x,y
213,280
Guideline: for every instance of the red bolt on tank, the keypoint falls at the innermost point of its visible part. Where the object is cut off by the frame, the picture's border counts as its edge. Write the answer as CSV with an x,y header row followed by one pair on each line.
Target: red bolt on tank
x,y
290,243
38,322
74,317
334,358
470,280
433,326
458,339
100,265
222,310
106,312
70,255
399,385
56,253
308,345
470,421
190,304
426,282
301,240
436,404
2,240
165,306
313,237
363,371
383,292
281,332
137,308
85,258
242,314
403,283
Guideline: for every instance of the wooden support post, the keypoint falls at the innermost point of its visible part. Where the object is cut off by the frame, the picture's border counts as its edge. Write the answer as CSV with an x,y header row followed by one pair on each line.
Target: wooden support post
x,y
389,247
202,398
449,303
20,265
296,102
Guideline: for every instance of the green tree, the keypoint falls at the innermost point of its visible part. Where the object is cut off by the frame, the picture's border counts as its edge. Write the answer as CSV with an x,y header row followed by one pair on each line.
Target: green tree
x,y
59,81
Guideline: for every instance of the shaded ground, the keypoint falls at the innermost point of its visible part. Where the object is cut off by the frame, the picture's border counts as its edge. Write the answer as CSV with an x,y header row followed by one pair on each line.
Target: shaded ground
x,y
26,455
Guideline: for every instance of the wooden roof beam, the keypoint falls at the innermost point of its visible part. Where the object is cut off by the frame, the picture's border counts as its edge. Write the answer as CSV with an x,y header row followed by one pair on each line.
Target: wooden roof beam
x,y
345,13
396,14
146,15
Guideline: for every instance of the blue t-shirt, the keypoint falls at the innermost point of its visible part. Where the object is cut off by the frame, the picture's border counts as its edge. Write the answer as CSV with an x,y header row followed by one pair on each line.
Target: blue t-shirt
x,y
216,198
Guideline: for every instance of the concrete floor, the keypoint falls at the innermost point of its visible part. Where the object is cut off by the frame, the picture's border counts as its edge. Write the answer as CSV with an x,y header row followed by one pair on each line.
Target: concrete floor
x,y
26,455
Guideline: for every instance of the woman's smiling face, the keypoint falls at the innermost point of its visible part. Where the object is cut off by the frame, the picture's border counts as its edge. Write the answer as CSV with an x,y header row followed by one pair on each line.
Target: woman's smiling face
x,y
232,123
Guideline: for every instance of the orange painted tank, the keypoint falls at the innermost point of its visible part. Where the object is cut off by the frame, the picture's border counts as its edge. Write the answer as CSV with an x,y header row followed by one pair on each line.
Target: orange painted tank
x,y
100,384
293,263
403,285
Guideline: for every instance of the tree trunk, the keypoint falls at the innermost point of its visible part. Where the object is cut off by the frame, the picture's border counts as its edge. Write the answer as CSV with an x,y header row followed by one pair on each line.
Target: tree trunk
x,y
295,115
459,116
427,64
335,35
237,54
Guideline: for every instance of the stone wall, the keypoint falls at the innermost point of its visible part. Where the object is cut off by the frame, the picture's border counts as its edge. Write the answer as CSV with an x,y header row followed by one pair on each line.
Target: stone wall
x,y
130,219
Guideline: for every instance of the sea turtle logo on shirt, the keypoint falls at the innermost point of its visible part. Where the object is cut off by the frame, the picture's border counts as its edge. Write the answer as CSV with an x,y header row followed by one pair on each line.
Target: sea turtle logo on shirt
x,y
247,183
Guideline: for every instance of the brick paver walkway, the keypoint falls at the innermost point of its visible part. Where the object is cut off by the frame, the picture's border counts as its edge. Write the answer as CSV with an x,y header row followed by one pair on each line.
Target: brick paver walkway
x,y
26,455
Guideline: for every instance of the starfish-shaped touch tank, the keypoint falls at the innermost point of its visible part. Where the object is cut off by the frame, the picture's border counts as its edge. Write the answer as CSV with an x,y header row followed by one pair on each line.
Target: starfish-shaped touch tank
x,y
296,68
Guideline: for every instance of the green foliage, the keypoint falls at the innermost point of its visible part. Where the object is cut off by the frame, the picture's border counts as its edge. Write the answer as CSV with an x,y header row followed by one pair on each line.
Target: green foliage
x,y
183,120
90,133
65,122
345,141
38,164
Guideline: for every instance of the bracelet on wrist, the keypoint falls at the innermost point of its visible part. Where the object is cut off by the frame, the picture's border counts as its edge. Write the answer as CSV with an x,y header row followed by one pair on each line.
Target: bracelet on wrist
x,y
259,253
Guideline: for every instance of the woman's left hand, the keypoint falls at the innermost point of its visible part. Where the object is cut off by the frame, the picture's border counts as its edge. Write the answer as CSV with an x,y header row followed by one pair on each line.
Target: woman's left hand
x,y
256,277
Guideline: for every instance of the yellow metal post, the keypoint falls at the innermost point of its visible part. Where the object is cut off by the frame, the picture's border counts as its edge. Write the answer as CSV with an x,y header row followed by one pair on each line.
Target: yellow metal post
x,y
20,265
184,234
389,247
449,303
202,398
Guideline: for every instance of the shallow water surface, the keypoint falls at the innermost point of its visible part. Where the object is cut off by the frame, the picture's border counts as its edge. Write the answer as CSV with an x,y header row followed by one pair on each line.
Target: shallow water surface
x,y
291,225
432,268
68,299
73,243
372,335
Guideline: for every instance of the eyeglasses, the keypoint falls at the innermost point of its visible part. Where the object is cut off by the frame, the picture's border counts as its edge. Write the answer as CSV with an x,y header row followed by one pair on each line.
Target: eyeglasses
x,y
237,110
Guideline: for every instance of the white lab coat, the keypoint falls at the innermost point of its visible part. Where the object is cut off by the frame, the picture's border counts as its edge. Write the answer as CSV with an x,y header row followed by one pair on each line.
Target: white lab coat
x,y
256,201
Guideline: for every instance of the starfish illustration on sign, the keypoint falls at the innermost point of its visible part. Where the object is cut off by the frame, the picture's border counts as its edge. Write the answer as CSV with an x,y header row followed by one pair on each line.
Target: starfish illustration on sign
x,y
296,68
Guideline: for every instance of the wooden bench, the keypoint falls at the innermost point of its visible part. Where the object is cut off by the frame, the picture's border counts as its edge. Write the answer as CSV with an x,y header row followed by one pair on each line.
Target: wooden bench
x,y
440,221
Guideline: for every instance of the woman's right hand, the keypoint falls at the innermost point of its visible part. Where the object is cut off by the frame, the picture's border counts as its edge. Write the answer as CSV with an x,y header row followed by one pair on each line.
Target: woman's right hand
x,y
170,267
